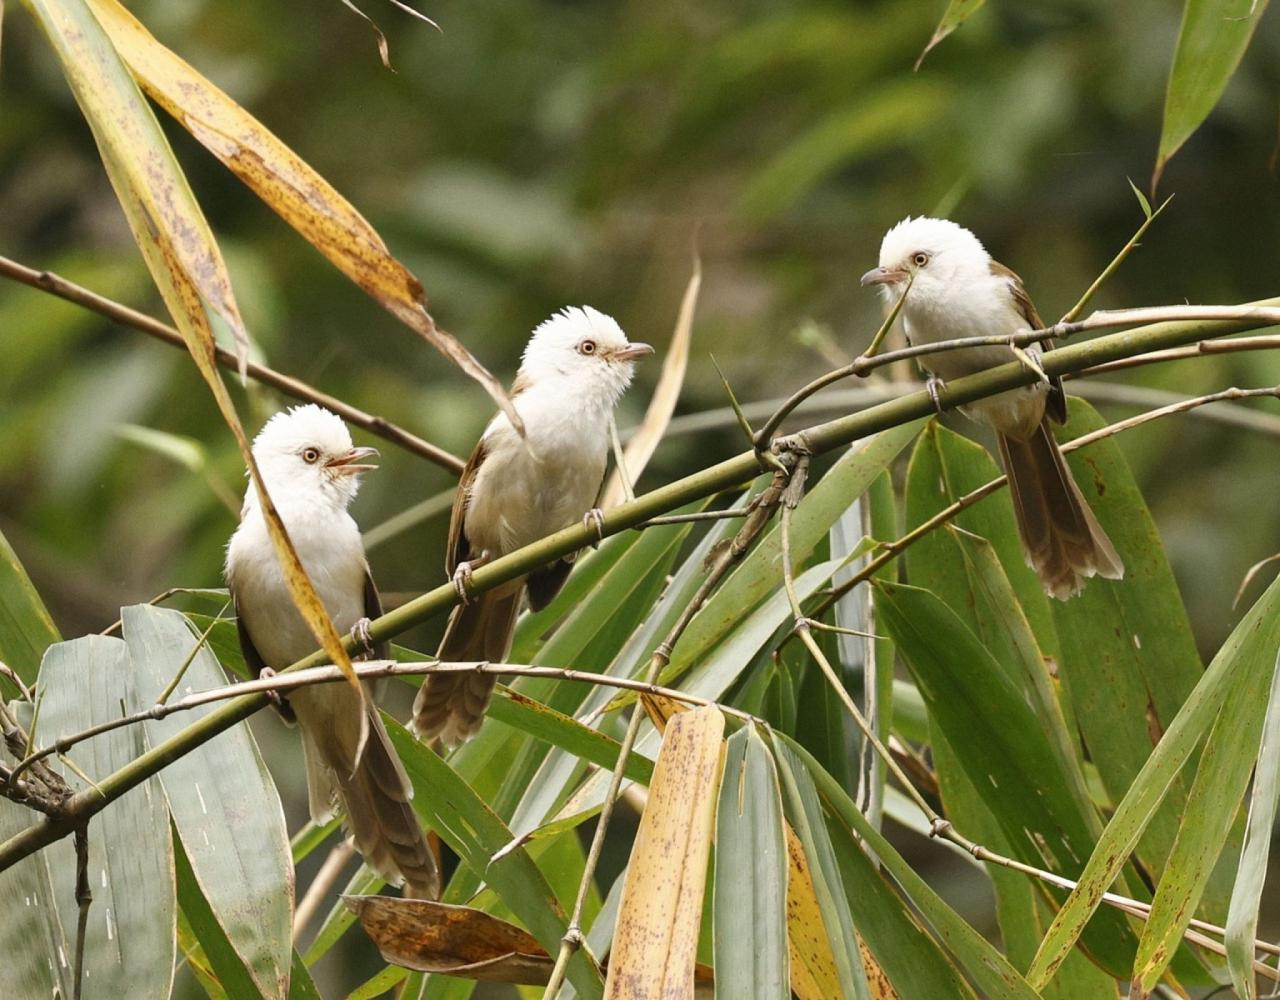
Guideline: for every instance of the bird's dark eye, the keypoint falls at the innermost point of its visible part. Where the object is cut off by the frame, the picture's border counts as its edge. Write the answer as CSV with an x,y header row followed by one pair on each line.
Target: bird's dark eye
x,y
587,347
920,258
311,456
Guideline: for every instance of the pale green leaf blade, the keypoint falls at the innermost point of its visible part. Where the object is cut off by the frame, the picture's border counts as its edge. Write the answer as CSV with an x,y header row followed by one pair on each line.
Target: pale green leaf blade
x,y
1242,916
750,908
805,813
225,806
37,952
129,946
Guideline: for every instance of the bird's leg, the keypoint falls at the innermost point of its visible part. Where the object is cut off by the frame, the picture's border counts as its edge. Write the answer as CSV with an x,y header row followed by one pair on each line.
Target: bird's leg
x,y
1031,362
594,518
361,633
462,576
273,696
934,386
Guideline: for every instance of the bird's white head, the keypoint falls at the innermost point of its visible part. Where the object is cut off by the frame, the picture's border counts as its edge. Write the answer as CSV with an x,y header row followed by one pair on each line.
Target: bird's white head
x,y
937,255
306,452
585,348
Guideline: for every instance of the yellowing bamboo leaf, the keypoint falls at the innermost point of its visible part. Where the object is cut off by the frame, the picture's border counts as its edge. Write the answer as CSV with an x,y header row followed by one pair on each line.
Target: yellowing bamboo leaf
x,y
813,967
663,403
655,943
175,241
881,988
284,181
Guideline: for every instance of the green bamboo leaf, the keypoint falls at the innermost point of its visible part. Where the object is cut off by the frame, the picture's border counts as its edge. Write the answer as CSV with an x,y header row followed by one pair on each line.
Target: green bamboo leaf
x,y
26,628
1211,810
944,467
36,949
129,943
450,807
1211,43
750,905
805,813
1242,917
957,12
989,970
911,958
1012,763
582,582
759,572
565,732
224,804
1129,658
1250,649
207,935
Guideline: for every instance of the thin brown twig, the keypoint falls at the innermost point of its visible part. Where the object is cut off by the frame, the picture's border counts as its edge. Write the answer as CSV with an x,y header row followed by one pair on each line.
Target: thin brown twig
x,y
343,851
760,512
54,284
891,550
366,670
84,897
1264,342
939,826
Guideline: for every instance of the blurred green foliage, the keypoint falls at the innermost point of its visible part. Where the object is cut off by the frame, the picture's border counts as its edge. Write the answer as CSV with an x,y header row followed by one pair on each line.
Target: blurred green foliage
x,y
533,155
536,154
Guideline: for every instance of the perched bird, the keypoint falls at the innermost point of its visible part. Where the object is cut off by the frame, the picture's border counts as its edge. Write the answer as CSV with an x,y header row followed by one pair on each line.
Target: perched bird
x,y
958,291
515,491
312,473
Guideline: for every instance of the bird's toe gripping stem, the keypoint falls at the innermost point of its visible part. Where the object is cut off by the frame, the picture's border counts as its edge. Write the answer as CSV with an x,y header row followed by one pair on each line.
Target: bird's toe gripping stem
x,y
594,518
362,633
934,386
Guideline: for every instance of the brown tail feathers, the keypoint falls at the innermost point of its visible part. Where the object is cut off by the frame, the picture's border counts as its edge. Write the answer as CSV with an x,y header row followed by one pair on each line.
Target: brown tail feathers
x,y
374,794
450,707
1063,541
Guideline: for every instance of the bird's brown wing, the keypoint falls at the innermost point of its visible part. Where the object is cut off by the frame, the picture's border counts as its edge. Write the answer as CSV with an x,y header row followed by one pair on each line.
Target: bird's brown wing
x,y
1056,403
459,549
372,610
253,660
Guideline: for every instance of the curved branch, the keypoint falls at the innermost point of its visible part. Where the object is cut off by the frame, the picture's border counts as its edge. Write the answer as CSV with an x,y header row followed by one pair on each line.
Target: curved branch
x,y
729,473
47,281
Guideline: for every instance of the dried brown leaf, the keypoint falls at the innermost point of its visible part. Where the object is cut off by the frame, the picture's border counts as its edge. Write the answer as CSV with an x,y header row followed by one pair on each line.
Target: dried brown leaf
x,y
429,936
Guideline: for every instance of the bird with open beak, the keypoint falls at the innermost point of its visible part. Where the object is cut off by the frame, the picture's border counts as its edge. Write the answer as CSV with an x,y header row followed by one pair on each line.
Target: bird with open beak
x,y
312,471
517,490
957,291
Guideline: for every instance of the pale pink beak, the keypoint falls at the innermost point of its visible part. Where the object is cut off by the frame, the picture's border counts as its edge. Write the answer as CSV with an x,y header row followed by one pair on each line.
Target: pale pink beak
x,y
632,352
348,463
883,276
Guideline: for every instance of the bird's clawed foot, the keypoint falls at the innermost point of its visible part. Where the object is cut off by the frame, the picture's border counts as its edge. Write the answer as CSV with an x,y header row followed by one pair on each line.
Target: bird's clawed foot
x,y
934,386
361,632
273,696
462,576
594,518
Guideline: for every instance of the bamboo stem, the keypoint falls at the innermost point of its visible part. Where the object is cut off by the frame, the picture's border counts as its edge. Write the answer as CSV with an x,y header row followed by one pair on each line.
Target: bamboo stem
x,y
819,439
